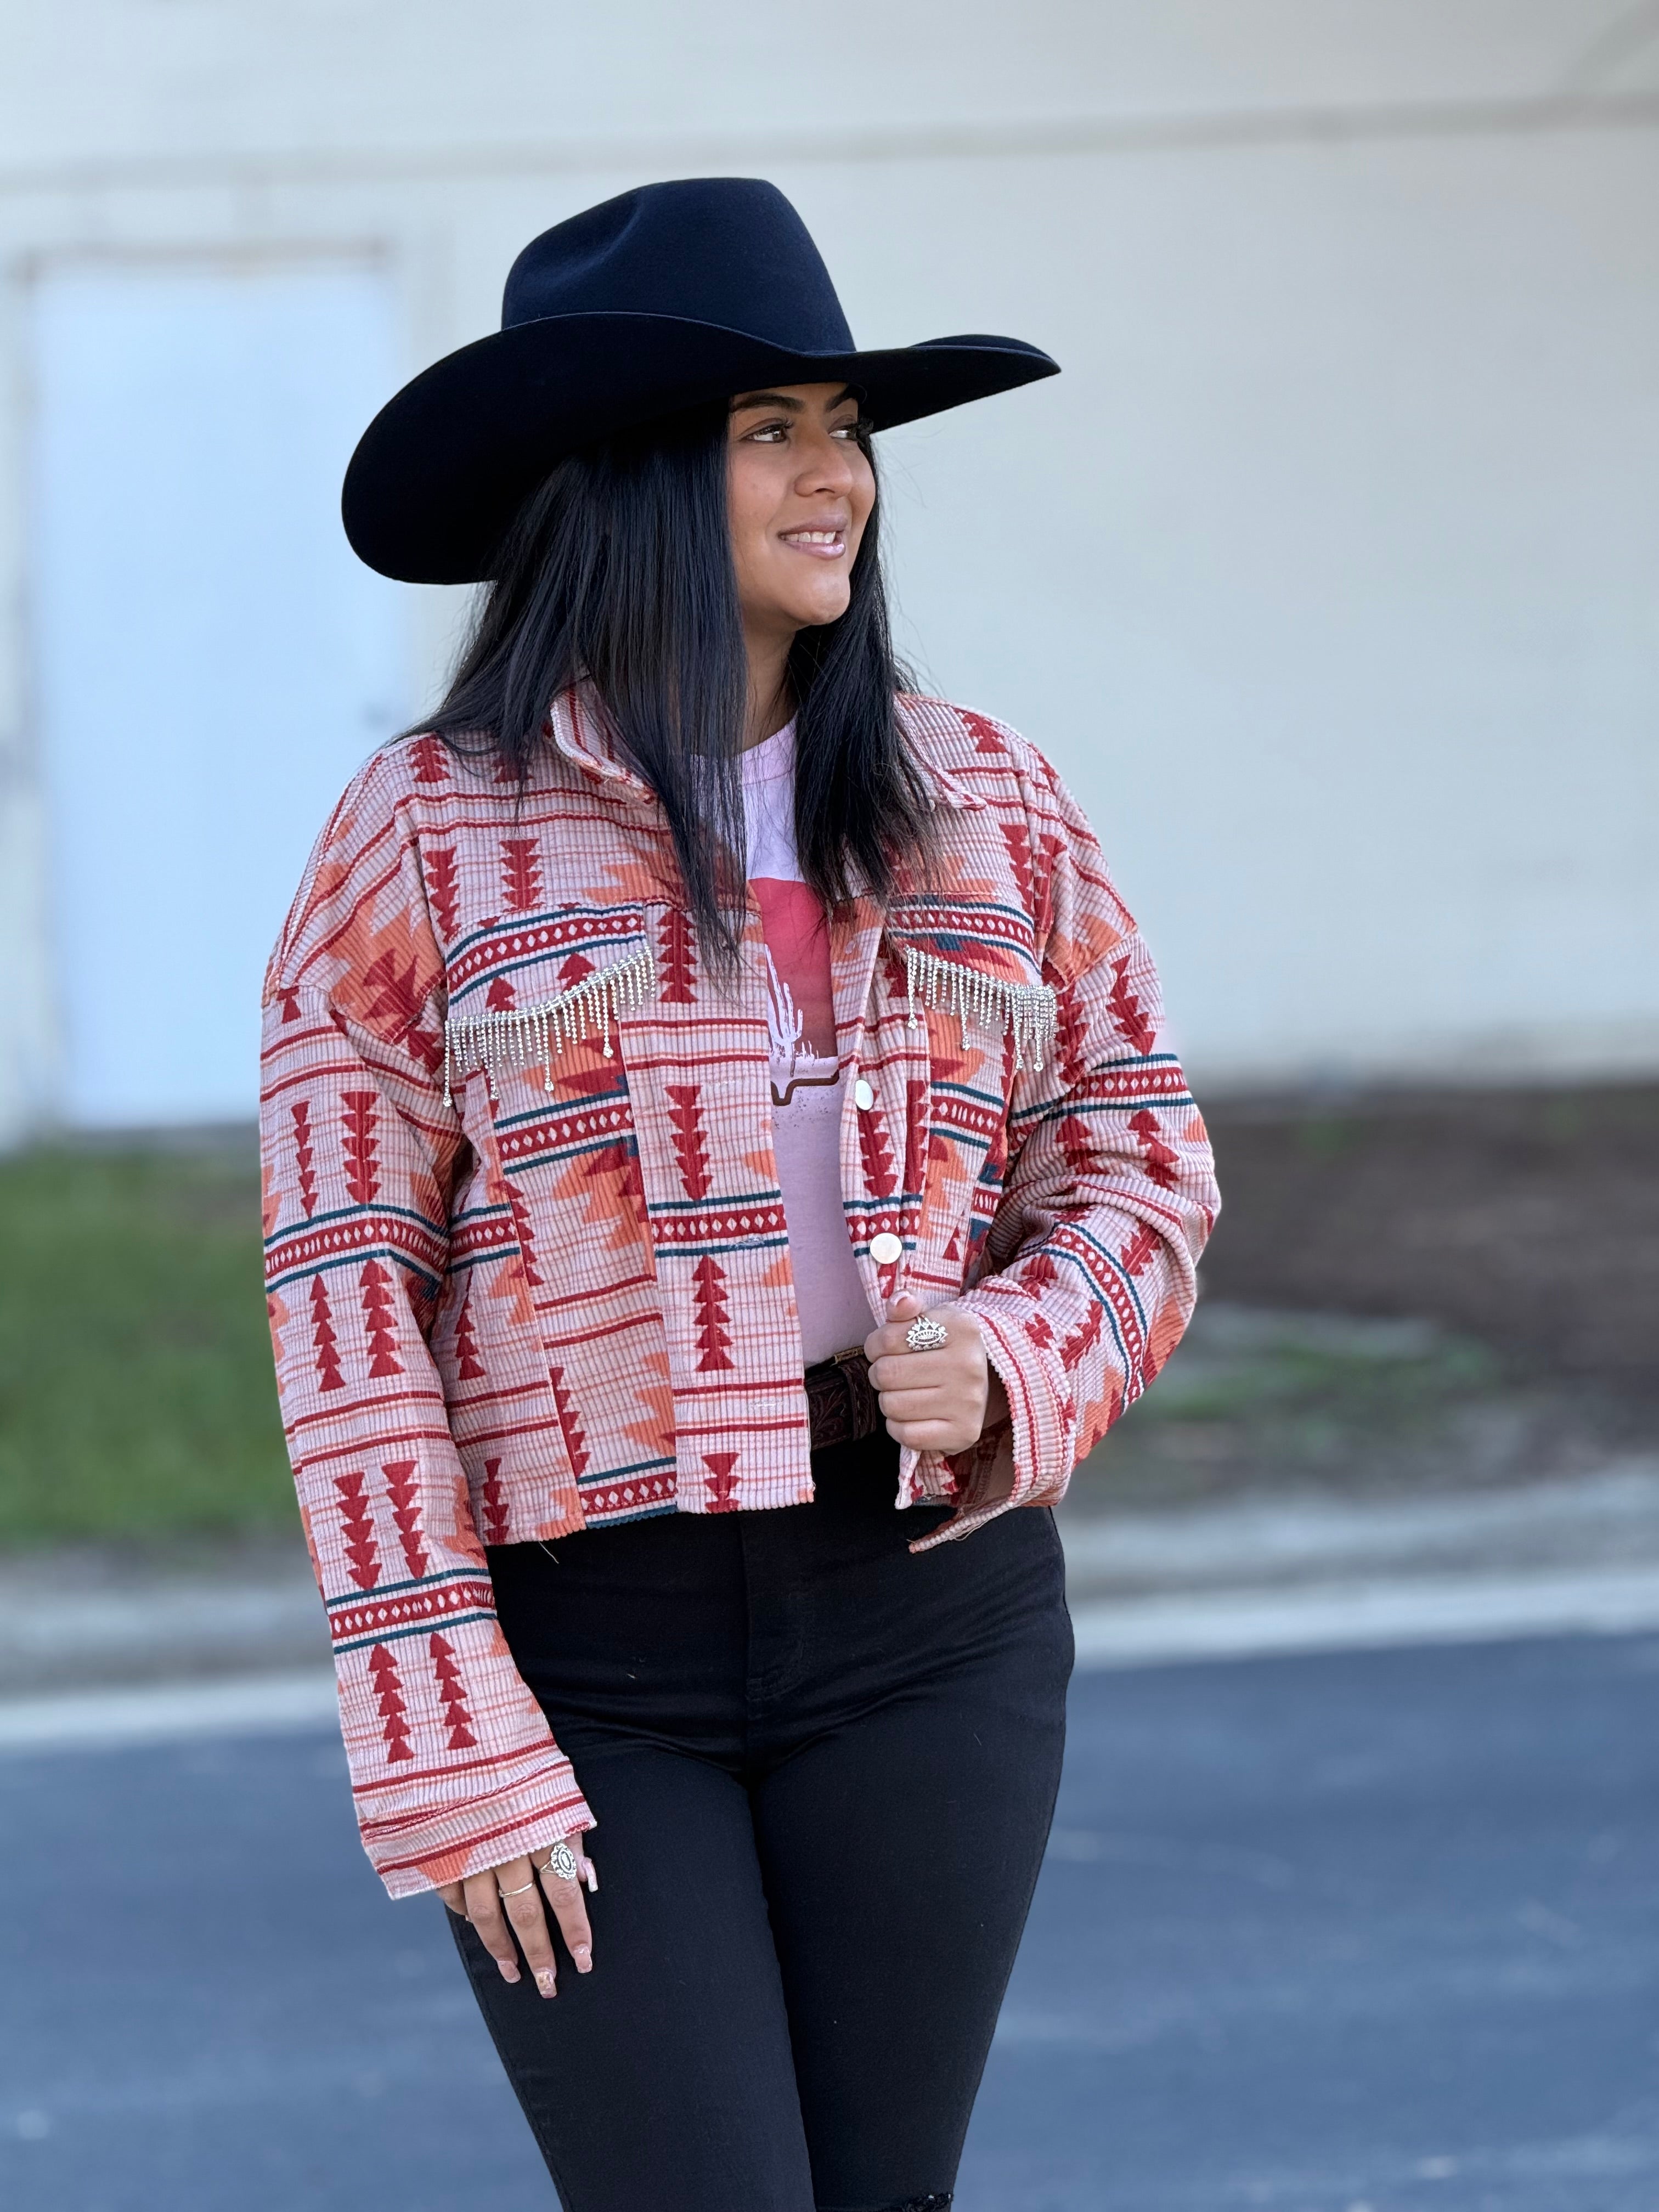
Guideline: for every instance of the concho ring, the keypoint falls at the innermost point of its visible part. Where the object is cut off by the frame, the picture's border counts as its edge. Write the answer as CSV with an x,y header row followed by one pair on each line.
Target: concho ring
x,y
563,1863
924,1335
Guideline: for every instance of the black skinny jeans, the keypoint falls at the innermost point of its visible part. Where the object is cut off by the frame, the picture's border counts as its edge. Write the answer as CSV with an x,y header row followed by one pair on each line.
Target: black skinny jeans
x,y
823,1770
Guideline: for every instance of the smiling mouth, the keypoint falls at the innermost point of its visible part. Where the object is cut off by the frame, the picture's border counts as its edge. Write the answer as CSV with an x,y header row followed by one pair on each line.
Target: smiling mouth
x,y
822,544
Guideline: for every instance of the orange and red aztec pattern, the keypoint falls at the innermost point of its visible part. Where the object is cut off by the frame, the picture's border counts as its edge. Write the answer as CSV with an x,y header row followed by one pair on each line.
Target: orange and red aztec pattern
x,y
567,1299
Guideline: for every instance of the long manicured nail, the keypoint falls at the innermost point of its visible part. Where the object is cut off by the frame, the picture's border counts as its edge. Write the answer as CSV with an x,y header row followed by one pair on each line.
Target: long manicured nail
x,y
591,1876
584,1957
546,1982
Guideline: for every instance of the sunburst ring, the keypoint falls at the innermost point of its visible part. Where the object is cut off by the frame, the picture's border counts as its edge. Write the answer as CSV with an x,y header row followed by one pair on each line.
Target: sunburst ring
x,y
562,1864
924,1335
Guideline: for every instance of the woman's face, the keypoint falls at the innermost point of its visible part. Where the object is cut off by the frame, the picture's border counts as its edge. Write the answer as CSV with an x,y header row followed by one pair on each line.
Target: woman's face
x,y
800,491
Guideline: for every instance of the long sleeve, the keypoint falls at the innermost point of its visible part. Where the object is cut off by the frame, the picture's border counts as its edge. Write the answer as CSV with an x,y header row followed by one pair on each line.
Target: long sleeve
x,y
1089,1275
454,1768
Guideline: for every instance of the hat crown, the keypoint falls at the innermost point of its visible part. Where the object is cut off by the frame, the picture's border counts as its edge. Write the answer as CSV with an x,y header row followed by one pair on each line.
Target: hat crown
x,y
730,251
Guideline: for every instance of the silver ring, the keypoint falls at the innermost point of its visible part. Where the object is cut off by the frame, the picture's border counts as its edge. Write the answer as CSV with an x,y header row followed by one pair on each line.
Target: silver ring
x,y
561,1863
924,1335
520,1890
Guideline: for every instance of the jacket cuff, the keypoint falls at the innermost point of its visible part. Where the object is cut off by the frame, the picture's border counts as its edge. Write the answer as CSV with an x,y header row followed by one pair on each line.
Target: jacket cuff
x,y
417,1852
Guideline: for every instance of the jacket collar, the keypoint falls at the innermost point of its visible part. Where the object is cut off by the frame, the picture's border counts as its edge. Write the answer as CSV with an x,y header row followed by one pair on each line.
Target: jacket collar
x,y
581,730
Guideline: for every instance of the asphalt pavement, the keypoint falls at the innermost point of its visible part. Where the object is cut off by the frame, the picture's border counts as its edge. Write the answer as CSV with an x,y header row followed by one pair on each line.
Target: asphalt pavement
x,y
1341,1931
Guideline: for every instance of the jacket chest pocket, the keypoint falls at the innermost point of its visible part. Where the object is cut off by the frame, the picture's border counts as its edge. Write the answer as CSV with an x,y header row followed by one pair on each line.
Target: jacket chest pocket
x,y
528,999
973,999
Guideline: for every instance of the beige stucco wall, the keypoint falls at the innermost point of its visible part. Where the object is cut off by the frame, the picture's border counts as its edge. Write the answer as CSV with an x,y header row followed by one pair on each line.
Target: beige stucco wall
x,y
1328,572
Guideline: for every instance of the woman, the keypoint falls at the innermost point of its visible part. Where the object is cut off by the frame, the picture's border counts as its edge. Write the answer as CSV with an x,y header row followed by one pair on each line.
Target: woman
x,y
718,1150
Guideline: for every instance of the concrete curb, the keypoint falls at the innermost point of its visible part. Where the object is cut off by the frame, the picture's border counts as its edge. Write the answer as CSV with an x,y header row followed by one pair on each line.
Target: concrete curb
x,y
1130,1632
162,1712
1359,1615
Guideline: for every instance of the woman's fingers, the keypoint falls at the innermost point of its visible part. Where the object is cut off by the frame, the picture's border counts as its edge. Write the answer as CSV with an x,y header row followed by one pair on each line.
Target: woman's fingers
x,y
913,1392
564,1892
937,1401
485,1911
522,1900
946,1436
504,1907
888,1342
889,1337
918,1371
958,1366
946,1420
907,1405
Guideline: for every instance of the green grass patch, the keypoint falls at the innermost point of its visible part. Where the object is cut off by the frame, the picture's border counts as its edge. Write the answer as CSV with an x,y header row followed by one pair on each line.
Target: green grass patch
x,y
1256,1398
1289,1387
136,1398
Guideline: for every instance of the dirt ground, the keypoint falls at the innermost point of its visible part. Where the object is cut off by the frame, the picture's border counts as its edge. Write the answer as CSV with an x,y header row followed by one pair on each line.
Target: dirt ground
x,y
1443,1291
1527,1221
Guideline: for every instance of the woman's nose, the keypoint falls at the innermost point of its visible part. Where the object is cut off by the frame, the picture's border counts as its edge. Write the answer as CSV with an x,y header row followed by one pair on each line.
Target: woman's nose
x,y
829,469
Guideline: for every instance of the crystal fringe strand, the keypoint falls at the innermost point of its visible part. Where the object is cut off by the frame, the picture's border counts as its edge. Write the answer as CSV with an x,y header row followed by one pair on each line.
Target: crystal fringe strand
x,y
526,1036
1027,1012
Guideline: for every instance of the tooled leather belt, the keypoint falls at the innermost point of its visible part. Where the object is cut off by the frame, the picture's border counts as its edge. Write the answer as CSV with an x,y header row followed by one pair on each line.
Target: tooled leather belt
x,y
841,1404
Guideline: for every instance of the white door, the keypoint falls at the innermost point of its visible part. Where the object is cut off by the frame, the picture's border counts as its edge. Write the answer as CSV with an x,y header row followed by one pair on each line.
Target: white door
x,y
210,660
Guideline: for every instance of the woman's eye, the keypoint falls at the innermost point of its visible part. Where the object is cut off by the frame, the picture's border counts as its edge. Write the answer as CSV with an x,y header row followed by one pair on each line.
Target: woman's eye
x,y
771,432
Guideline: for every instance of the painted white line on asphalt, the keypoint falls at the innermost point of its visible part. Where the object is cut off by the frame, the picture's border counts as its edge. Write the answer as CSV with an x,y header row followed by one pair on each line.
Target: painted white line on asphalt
x,y
1221,1624
244,1705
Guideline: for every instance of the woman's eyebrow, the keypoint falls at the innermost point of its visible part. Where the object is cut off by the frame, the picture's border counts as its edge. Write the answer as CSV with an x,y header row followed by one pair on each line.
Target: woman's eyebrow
x,y
784,399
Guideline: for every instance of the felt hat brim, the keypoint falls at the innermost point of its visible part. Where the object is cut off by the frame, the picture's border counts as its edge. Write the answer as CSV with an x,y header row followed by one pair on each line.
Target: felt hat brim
x,y
441,470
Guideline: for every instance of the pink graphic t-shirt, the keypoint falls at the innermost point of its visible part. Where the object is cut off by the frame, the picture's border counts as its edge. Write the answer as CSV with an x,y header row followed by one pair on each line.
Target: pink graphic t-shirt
x,y
806,1088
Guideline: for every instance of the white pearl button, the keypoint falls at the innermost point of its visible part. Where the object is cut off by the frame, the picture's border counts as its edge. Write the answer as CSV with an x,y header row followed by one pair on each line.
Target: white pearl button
x,y
886,1249
863,1097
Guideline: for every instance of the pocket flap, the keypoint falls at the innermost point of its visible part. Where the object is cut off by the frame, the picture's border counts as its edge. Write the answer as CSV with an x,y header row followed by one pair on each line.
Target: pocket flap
x,y
534,1035
1028,1013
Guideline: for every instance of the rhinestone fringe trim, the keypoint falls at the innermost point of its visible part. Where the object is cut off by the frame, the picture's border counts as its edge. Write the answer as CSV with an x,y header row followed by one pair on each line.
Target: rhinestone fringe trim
x,y
525,1036
1027,1012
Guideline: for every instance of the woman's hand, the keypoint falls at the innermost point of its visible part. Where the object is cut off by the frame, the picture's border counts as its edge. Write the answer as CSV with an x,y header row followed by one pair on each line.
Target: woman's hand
x,y
508,1902
937,1402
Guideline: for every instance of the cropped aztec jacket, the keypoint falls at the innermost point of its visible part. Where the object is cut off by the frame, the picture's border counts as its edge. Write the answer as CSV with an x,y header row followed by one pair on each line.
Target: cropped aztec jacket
x,y
526,1261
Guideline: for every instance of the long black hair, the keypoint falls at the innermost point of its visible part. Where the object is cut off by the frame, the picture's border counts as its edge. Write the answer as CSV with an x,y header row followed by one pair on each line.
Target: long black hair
x,y
618,567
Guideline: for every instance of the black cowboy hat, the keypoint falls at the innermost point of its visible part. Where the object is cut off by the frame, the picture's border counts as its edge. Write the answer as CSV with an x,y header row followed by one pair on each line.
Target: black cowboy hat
x,y
664,298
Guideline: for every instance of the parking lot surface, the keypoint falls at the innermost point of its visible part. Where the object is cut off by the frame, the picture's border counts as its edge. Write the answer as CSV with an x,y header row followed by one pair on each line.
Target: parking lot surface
x,y
1339,1932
